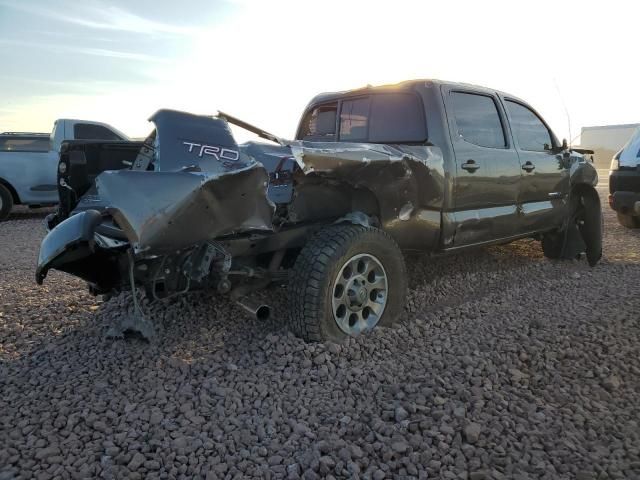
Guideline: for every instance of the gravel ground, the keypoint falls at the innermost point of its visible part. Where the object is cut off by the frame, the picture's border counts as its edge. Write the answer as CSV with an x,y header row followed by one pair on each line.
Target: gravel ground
x,y
505,365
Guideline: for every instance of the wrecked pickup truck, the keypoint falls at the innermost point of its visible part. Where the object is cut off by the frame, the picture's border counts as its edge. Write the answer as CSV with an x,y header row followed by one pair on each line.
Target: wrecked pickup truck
x,y
423,166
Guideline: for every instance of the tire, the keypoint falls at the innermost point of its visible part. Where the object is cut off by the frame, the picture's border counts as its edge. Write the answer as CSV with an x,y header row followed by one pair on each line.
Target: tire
x,y
628,221
358,272
592,226
6,202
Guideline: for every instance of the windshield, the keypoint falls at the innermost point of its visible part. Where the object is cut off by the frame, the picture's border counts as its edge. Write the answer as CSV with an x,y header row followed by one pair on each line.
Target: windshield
x,y
630,155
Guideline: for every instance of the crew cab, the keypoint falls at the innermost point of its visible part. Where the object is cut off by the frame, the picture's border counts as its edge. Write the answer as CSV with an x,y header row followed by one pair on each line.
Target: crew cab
x,y
624,183
422,165
28,161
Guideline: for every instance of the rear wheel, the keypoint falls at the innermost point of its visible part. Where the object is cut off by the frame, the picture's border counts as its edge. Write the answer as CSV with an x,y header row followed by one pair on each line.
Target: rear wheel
x,y
6,202
346,280
628,221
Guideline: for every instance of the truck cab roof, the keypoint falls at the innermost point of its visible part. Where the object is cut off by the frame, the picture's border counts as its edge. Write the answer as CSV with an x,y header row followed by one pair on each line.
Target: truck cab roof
x,y
407,85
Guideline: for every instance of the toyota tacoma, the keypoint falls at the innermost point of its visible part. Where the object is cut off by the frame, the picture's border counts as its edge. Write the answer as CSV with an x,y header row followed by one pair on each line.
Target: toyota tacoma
x,y
422,165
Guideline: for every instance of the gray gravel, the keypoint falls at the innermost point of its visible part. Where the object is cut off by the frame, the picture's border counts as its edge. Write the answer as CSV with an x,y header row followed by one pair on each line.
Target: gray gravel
x,y
505,365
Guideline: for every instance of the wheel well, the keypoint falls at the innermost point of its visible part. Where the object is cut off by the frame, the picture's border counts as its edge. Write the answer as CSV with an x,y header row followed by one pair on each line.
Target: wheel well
x,y
583,189
14,194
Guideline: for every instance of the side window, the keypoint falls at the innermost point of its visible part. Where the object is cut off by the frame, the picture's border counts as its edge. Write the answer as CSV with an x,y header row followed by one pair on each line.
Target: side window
x,y
320,123
528,129
354,119
24,144
397,118
87,131
477,120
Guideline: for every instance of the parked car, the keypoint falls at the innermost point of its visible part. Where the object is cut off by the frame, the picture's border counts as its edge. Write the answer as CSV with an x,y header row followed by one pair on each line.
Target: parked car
x,y
425,166
624,183
28,161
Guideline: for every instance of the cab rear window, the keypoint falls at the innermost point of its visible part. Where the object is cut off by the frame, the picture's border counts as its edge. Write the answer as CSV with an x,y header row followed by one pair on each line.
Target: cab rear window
x,y
319,124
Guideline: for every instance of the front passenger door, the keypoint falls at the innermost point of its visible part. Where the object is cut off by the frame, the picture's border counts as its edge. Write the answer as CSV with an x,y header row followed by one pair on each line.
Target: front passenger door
x,y
545,181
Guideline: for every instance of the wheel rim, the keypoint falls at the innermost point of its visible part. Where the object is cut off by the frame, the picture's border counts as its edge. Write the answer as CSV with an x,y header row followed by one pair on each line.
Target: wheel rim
x,y
359,294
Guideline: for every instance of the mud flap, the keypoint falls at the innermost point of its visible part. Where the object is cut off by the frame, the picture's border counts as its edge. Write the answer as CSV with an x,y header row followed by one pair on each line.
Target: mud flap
x,y
583,233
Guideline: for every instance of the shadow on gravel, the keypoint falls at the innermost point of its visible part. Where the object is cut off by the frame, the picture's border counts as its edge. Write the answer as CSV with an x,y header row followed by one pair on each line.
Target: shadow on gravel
x,y
424,269
25,213
200,326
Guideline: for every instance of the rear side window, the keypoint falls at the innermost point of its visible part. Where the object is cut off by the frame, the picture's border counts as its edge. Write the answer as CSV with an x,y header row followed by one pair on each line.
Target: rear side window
x,y
24,144
320,123
87,131
477,120
354,120
397,118
528,129
376,118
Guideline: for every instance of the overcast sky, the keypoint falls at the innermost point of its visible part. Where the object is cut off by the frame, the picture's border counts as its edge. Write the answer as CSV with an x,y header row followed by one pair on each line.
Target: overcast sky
x,y
119,61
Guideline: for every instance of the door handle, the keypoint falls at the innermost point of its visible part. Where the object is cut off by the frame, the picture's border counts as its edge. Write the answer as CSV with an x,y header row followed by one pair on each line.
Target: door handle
x,y
470,166
529,167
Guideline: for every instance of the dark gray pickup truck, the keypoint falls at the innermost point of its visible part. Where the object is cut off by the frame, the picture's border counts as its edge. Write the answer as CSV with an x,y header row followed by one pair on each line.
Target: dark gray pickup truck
x,y
423,166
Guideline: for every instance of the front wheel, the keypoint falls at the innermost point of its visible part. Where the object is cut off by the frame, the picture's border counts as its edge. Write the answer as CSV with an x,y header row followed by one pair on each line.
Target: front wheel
x,y
628,221
346,280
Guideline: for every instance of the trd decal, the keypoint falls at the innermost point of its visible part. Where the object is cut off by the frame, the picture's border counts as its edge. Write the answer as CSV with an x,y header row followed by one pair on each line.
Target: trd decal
x,y
218,153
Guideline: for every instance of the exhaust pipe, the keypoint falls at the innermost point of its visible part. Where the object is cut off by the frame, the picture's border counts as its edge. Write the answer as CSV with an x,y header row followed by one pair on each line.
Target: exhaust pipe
x,y
258,309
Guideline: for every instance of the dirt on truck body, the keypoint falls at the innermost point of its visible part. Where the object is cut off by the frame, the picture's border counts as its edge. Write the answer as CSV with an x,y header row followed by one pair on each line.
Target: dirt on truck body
x,y
372,172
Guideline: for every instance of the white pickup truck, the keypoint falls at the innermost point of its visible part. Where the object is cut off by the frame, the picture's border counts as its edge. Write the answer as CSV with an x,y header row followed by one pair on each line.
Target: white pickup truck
x,y
29,161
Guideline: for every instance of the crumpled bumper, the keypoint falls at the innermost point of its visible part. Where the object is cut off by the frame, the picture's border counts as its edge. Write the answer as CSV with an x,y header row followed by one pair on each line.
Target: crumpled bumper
x,y
68,244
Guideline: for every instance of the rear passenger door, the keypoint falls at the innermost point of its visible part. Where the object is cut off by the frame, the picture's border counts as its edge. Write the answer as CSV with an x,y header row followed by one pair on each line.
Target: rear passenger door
x,y
545,181
488,171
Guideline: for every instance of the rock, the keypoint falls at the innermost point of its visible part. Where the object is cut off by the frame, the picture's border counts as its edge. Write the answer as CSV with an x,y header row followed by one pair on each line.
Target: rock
x,y
399,447
516,375
309,474
480,475
379,475
356,452
401,414
585,475
293,471
136,461
446,429
472,432
611,383
44,453
459,412
152,465
327,464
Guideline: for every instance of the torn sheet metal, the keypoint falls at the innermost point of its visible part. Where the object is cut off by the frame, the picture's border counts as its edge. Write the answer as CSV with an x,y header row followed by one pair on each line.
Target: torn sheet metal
x,y
407,181
199,186
166,211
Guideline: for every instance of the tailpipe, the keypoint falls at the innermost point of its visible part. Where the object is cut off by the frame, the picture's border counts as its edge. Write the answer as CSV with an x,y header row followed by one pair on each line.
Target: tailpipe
x,y
256,308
